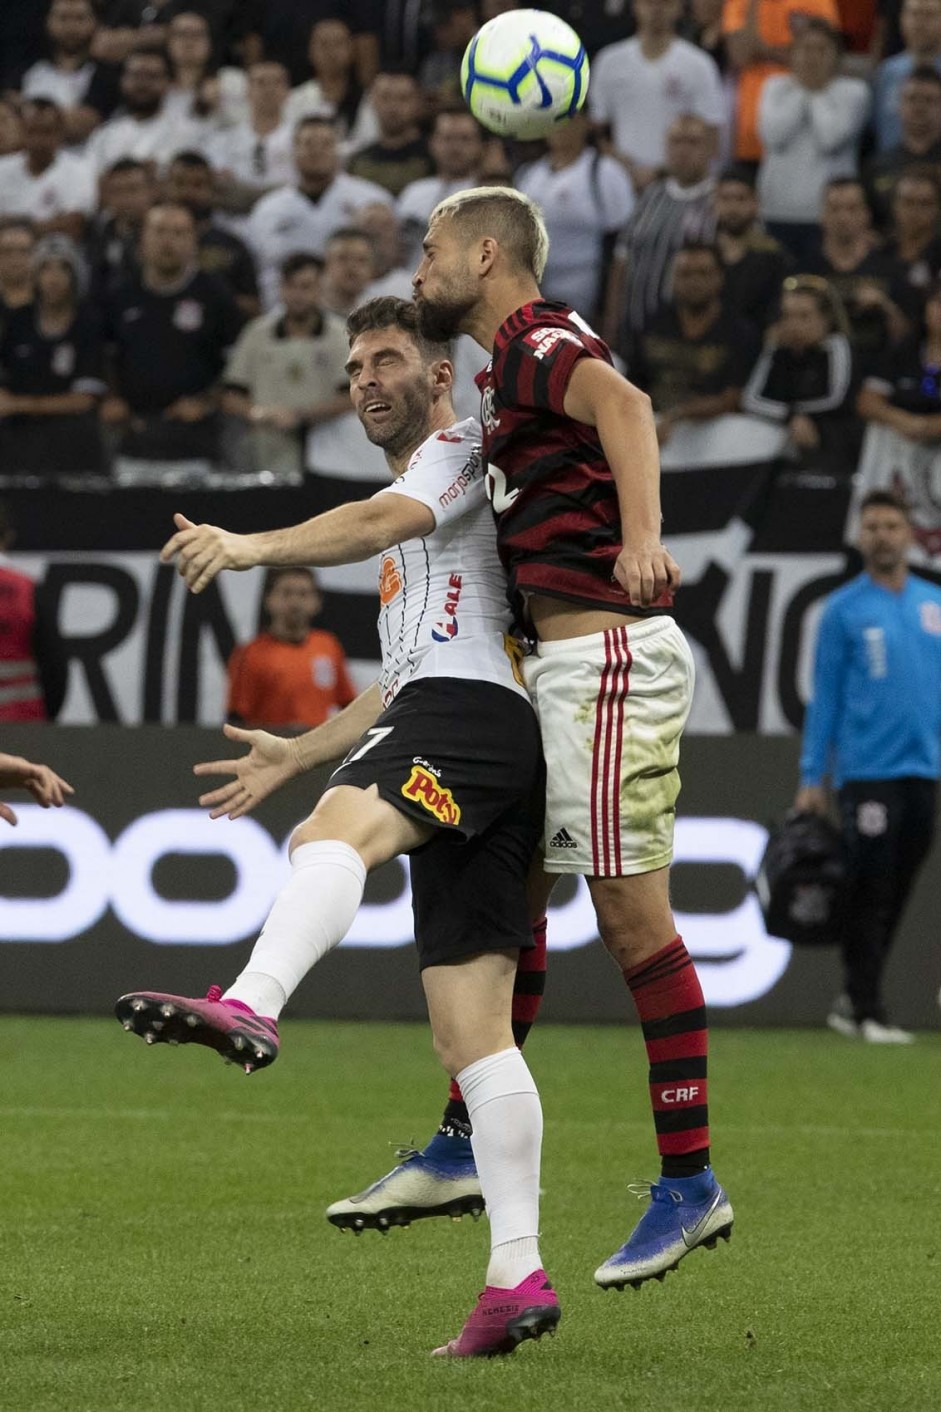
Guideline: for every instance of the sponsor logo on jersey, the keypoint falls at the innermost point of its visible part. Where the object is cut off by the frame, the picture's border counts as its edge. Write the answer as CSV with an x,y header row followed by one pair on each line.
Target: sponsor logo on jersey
x,y
931,618
390,581
452,440
543,340
461,481
446,629
422,786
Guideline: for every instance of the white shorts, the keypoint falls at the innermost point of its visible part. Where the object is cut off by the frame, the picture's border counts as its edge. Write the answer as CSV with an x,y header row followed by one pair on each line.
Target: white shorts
x,y
611,709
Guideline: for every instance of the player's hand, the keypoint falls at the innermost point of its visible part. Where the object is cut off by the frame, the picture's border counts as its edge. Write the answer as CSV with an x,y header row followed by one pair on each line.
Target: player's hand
x,y
271,761
47,788
203,551
646,572
811,799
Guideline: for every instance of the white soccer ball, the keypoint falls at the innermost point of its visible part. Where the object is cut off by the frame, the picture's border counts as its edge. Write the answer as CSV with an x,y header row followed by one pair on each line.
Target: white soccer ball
x,y
524,71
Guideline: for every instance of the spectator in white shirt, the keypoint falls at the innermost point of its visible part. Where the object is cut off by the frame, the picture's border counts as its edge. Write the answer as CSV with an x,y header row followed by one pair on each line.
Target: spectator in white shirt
x,y
810,122
641,84
254,157
66,75
145,127
334,91
55,189
586,199
457,148
303,215
349,267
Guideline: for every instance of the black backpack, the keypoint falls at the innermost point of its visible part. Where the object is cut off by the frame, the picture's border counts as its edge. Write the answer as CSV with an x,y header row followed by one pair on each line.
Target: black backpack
x,y
801,879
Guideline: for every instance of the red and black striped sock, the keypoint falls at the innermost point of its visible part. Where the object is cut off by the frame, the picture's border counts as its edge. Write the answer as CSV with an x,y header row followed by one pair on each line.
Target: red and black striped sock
x,y
528,989
672,1012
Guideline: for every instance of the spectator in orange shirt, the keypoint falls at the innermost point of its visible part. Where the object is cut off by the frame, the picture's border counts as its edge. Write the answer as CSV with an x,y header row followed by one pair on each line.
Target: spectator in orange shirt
x,y
289,675
758,39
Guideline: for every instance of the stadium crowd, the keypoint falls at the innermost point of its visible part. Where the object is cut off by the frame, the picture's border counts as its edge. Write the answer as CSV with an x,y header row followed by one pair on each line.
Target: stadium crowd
x,y
194,194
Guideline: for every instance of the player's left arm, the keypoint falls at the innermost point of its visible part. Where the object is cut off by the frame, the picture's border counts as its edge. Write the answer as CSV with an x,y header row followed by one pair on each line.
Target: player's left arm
x,y
346,535
622,415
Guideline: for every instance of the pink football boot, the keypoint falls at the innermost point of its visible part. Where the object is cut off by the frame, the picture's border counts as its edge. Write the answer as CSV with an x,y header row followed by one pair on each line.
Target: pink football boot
x,y
504,1317
227,1026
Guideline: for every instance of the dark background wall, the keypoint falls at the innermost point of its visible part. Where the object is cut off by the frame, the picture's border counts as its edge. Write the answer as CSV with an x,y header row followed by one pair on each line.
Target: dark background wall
x,y
126,889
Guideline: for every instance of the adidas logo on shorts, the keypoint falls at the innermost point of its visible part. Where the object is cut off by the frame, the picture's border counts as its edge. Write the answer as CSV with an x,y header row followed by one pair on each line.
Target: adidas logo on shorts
x,y
562,839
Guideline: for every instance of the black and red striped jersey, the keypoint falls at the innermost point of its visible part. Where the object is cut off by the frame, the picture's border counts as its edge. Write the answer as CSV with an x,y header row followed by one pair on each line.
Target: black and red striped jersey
x,y
555,501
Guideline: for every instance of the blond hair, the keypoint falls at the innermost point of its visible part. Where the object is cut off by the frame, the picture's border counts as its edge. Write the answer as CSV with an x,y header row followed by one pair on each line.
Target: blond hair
x,y
509,217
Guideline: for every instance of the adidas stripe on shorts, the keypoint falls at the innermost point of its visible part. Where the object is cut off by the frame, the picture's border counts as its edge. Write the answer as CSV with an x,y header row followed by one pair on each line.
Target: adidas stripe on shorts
x,y
611,709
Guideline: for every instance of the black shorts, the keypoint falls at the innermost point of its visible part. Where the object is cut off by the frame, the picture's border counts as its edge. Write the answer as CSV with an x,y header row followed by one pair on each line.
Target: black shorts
x,y
465,757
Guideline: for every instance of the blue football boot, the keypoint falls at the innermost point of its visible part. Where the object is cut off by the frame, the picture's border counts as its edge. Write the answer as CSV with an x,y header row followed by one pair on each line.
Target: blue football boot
x,y
440,1180
684,1212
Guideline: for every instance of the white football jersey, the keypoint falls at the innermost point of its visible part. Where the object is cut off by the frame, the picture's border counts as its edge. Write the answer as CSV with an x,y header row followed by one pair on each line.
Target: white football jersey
x,y
444,609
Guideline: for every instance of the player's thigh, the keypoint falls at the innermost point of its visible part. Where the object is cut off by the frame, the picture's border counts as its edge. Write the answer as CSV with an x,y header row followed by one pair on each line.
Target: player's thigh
x,y
635,919
359,817
611,709
469,1006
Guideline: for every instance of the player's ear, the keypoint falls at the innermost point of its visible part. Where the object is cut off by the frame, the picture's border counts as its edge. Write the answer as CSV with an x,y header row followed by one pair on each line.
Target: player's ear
x,y
442,373
487,252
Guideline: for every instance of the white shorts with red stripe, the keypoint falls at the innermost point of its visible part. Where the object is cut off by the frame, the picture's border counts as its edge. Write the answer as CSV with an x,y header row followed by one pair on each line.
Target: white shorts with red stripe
x,y
611,709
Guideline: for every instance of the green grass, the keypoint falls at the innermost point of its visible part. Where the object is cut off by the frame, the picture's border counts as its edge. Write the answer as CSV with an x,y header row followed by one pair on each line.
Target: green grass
x,y
164,1246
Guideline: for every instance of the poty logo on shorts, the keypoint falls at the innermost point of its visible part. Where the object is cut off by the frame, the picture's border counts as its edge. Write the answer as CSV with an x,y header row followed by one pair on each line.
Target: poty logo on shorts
x,y
447,630
426,791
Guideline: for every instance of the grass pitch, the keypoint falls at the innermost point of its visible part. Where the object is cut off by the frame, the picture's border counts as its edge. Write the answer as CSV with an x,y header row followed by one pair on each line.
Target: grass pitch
x,y
164,1245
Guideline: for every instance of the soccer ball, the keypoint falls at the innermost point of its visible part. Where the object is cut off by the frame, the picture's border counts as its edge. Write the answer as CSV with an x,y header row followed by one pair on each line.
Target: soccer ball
x,y
524,71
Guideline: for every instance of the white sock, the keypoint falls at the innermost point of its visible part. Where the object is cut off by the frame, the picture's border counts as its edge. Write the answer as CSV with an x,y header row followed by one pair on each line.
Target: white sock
x,y
311,915
506,1117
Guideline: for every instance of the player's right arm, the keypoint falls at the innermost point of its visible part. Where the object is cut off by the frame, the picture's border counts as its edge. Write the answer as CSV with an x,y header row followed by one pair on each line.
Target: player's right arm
x,y
346,535
273,760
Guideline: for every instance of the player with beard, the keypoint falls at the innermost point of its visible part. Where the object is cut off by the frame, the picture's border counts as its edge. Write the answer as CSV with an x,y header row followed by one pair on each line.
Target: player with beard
x,y
443,764
573,474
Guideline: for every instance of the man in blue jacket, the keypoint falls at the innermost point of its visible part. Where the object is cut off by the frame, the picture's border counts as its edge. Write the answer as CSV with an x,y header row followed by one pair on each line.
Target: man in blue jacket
x,y
874,729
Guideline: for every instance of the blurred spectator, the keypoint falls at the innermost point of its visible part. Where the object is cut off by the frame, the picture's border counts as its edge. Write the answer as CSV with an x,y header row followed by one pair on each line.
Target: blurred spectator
x,y
170,327
284,28
904,389
131,24
34,667
190,183
920,139
400,153
55,189
695,356
804,377
869,282
286,372
457,149
453,26
51,371
586,199
292,675
755,264
391,272
638,87
11,133
127,195
810,122
921,30
348,269
677,209
335,90
916,236
66,75
17,244
147,126
254,156
301,216
704,29
194,85
758,36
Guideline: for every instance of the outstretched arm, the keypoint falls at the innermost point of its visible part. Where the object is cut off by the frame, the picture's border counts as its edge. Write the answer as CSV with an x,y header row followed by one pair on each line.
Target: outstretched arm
x,y
622,415
272,760
342,536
